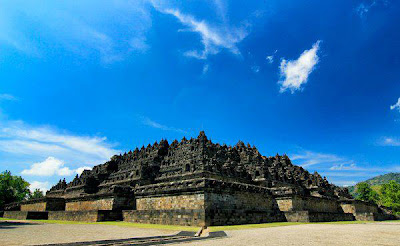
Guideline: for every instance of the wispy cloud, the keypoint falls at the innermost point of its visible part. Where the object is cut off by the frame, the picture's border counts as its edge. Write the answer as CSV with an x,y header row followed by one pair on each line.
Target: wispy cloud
x,y
206,67
389,141
352,167
49,167
213,37
69,26
151,123
342,166
332,162
310,158
344,183
294,73
139,44
255,68
52,166
270,58
340,170
396,106
337,168
81,169
21,139
364,8
7,97
43,186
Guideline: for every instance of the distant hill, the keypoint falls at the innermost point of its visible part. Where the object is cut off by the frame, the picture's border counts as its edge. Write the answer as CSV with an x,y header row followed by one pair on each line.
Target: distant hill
x,y
377,181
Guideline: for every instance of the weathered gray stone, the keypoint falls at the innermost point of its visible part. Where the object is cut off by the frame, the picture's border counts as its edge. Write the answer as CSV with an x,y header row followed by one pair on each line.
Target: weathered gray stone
x,y
198,182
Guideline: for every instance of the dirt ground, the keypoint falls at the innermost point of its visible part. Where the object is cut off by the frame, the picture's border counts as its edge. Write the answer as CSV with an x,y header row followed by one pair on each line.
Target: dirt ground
x,y
380,233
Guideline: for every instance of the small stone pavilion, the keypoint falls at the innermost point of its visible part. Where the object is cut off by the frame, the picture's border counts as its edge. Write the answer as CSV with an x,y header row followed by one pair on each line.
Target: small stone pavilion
x,y
197,182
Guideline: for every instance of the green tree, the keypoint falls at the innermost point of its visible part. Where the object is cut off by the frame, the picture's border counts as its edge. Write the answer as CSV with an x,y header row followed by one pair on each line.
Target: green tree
x,y
37,193
12,188
366,193
390,195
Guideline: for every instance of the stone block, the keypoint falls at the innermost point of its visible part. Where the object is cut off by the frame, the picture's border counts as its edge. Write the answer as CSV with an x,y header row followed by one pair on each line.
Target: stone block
x,y
99,202
221,217
185,217
308,203
87,216
177,202
26,215
43,204
356,206
307,216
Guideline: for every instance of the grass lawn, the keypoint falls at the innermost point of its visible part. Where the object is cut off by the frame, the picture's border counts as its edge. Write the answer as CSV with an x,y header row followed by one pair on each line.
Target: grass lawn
x,y
194,228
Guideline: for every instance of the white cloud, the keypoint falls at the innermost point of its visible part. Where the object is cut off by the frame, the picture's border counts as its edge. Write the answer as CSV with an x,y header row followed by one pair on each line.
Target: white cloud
x,y
343,166
43,186
49,167
270,58
52,166
213,37
332,162
310,158
7,97
139,44
221,7
345,183
81,169
396,105
389,141
20,138
148,122
206,67
363,8
255,68
339,170
295,72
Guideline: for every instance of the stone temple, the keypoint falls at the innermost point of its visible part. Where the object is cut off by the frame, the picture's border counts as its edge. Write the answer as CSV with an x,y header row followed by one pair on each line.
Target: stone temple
x,y
200,183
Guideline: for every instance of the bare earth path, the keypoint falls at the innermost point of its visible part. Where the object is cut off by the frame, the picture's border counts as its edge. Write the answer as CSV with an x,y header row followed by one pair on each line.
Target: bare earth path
x,y
380,233
30,233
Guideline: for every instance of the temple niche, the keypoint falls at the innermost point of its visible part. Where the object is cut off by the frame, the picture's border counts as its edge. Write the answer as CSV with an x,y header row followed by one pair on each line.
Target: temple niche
x,y
198,182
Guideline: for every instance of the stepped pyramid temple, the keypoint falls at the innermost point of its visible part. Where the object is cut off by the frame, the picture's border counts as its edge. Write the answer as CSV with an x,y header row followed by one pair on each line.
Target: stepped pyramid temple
x,y
200,183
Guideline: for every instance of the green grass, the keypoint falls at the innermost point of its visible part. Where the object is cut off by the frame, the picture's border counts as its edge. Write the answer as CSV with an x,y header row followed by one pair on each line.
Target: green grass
x,y
195,228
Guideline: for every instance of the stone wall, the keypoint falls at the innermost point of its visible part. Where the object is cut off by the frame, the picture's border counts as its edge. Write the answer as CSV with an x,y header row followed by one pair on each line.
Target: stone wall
x,y
307,216
26,215
43,204
239,200
15,206
312,204
40,206
222,217
177,202
358,207
99,203
186,217
88,216
223,207
229,207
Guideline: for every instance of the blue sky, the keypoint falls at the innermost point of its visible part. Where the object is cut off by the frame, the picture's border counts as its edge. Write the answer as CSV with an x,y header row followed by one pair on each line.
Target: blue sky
x,y
83,80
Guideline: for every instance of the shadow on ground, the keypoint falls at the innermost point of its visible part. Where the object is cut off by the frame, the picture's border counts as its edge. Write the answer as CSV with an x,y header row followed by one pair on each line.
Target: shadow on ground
x,y
181,237
13,224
